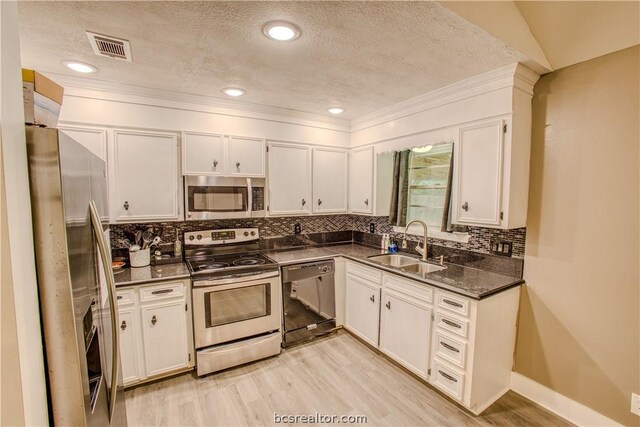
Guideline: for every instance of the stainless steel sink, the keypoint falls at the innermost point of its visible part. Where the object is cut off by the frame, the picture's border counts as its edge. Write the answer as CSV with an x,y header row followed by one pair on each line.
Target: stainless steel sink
x,y
422,268
394,260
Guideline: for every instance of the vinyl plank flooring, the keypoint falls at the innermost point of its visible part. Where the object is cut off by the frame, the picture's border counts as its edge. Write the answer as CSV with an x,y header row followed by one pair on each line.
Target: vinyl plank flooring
x,y
336,375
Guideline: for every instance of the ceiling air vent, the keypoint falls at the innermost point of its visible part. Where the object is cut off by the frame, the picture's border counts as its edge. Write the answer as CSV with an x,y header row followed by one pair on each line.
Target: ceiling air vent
x,y
111,47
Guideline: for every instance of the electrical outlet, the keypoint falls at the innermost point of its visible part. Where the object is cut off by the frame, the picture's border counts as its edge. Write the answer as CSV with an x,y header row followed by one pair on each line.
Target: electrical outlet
x,y
404,244
502,248
635,404
372,227
297,229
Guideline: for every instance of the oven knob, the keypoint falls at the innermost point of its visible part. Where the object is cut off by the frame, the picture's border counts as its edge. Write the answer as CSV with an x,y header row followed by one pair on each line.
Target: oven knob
x,y
253,233
199,237
246,233
191,237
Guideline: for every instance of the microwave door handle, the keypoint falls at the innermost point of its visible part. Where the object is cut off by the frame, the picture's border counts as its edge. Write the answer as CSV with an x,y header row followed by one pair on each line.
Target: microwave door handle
x,y
105,256
249,198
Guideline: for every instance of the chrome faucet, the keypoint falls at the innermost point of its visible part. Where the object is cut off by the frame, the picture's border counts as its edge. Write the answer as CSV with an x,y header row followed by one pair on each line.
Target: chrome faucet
x,y
422,250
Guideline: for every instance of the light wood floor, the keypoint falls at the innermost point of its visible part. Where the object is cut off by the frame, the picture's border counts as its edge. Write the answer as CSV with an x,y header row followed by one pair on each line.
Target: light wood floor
x,y
335,375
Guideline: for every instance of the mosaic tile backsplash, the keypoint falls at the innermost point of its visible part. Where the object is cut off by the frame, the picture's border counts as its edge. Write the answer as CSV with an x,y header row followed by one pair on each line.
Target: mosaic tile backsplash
x,y
271,228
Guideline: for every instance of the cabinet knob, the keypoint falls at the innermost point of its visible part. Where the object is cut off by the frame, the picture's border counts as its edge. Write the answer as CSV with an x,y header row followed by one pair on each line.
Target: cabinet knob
x,y
123,325
388,305
304,202
372,298
319,202
215,164
366,202
465,206
126,205
154,320
238,165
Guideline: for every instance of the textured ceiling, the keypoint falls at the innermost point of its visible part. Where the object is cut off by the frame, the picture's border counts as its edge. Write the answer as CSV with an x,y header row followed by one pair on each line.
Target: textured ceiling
x,y
359,55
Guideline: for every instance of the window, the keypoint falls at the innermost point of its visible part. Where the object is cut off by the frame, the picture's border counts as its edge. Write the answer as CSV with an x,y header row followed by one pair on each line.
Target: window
x,y
428,183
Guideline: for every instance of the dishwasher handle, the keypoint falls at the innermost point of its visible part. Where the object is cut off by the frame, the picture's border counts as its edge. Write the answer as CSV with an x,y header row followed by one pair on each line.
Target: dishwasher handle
x,y
307,270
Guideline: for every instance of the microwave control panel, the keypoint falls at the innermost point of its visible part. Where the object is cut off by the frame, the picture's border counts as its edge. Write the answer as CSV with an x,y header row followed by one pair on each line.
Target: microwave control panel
x,y
257,198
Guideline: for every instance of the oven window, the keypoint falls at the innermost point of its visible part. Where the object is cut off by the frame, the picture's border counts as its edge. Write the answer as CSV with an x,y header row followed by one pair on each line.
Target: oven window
x,y
237,304
217,199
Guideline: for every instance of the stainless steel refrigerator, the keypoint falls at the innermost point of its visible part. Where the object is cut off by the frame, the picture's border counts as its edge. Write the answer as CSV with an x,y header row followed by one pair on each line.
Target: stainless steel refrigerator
x,y
77,294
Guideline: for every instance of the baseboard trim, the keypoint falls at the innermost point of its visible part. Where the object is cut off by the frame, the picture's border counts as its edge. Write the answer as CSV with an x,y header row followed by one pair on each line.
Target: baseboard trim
x,y
557,403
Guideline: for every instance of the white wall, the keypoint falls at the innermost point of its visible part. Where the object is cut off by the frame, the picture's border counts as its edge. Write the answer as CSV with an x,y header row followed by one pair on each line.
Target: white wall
x,y
108,105
18,213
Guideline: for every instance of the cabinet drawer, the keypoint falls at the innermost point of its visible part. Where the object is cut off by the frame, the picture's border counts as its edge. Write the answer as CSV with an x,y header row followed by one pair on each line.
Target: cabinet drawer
x,y
456,304
448,380
365,272
124,297
416,290
450,349
164,291
452,324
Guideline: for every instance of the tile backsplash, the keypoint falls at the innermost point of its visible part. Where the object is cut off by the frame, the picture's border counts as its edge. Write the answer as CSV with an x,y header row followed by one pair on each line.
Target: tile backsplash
x,y
479,241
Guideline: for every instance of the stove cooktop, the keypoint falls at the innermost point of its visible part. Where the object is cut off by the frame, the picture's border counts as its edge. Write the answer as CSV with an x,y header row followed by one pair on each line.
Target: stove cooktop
x,y
229,262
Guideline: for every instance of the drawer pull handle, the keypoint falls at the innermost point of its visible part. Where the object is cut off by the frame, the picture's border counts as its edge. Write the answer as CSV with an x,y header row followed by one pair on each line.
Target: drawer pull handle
x,y
449,347
123,325
154,320
162,291
372,298
447,376
119,297
388,305
450,323
453,303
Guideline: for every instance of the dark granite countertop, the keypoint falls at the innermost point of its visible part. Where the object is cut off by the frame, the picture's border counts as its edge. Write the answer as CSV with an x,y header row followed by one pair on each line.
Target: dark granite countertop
x,y
467,281
154,273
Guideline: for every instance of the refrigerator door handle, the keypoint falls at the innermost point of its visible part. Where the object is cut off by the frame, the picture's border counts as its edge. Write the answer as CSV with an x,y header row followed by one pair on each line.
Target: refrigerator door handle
x,y
115,336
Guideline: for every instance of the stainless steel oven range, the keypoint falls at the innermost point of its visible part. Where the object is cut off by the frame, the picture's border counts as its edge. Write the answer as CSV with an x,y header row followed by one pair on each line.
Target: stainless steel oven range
x,y
237,297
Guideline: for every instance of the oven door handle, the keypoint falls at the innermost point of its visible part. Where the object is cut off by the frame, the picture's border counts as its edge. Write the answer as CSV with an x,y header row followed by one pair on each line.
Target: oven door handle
x,y
232,278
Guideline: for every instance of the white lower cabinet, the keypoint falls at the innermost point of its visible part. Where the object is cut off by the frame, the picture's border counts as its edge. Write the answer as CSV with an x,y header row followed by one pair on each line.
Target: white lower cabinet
x,y
155,330
461,346
405,331
362,316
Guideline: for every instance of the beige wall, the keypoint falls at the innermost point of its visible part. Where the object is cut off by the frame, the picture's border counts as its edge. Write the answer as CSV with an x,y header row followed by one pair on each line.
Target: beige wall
x,y
579,326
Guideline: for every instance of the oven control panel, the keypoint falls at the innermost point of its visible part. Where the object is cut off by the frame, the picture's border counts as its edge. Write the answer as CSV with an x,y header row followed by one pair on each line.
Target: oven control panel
x,y
220,237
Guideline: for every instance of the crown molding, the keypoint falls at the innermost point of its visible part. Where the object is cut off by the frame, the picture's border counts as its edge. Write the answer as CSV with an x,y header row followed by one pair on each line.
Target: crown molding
x,y
512,75
99,89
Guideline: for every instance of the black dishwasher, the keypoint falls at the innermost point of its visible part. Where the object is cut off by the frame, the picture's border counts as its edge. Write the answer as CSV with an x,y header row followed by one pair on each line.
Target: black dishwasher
x,y
308,294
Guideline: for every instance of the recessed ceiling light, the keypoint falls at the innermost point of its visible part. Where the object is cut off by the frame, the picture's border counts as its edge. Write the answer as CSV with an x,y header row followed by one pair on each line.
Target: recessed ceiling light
x,y
80,67
281,31
335,110
234,91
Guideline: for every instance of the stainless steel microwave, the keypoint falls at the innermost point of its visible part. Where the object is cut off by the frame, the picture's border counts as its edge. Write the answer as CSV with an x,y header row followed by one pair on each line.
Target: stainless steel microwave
x,y
214,197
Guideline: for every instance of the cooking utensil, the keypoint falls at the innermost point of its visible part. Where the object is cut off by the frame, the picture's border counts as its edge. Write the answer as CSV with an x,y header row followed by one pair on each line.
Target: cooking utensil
x,y
138,238
125,242
147,238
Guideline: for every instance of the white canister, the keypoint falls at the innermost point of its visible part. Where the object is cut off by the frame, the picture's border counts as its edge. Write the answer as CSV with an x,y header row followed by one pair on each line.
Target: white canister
x,y
139,258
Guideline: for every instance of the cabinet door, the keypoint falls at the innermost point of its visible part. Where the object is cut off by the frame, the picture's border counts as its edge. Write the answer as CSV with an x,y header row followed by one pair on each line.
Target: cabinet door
x,y
164,331
246,156
202,154
128,353
145,172
405,331
361,180
289,179
329,180
95,140
479,174
362,313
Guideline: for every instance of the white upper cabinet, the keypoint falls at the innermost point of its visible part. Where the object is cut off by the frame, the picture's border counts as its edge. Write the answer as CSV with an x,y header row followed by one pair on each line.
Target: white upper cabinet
x,y
245,156
213,154
330,180
143,175
289,179
361,169
202,154
478,166
94,139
